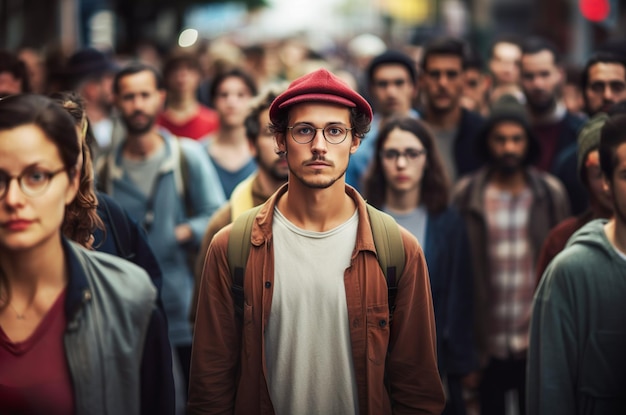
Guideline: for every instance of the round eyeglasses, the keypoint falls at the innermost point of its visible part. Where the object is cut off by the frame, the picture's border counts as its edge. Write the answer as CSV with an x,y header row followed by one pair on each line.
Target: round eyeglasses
x,y
305,133
33,182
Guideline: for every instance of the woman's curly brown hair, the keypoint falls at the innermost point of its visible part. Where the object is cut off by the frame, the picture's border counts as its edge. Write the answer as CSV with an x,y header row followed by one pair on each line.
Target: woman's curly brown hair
x,y
81,216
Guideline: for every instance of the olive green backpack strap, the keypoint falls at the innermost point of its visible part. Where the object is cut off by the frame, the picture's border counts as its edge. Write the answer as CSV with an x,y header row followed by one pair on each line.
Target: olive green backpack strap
x,y
390,250
238,251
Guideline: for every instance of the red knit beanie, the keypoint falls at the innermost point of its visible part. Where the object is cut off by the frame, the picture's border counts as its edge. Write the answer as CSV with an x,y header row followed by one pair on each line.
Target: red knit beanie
x,y
319,86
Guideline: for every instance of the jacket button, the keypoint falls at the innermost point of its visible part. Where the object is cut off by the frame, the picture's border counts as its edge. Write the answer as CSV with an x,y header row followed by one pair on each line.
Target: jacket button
x,y
268,284
382,323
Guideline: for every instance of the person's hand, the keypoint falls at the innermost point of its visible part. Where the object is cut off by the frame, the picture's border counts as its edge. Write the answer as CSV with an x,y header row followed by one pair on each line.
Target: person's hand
x,y
183,233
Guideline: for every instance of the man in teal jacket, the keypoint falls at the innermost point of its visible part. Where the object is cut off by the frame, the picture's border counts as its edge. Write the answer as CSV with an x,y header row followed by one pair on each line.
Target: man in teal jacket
x,y
576,361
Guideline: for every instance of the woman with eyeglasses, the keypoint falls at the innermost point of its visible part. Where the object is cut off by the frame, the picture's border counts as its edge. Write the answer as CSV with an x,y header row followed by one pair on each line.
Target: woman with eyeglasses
x,y
80,332
408,181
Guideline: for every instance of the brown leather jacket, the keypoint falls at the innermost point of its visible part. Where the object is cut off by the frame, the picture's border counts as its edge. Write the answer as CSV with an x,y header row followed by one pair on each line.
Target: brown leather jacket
x,y
228,372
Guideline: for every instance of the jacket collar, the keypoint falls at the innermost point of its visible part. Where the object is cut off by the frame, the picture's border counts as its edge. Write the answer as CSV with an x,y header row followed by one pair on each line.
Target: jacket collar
x,y
262,228
78,291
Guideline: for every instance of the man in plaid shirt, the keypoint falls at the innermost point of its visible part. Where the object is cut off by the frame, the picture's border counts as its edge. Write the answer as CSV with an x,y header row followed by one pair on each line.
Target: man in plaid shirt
x,y
509,207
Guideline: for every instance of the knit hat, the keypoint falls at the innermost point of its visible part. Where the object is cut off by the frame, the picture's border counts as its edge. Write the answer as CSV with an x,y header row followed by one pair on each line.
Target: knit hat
x,y
589,139
319,86
507,108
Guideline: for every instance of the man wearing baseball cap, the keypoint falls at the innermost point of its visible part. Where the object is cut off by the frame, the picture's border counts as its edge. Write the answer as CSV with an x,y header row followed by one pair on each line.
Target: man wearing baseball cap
x,y
315,335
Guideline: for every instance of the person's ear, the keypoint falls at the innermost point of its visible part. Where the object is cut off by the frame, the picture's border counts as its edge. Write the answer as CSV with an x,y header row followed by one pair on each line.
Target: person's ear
x,y
281,144
356,141
72,189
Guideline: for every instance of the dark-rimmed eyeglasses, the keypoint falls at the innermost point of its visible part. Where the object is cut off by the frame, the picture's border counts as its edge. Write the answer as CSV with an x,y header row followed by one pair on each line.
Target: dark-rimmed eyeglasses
x,y
32,181
303,133
410,154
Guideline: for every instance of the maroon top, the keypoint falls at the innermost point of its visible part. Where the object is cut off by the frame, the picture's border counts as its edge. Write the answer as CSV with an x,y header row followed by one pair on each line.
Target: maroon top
x,y
34,376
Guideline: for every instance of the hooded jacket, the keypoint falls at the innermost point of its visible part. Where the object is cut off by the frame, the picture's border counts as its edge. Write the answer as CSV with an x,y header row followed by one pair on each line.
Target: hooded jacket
x,y
577,354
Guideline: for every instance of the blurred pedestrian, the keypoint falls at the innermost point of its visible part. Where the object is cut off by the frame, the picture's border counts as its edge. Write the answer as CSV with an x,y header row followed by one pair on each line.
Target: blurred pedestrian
x,y
409,182
509,207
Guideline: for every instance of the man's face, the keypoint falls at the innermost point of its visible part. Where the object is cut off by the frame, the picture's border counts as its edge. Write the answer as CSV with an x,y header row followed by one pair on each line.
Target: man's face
x,y
265,152
318,164
231,101
443,82
508,145
617,185
139,101
541,79
393,89
504,64
606,86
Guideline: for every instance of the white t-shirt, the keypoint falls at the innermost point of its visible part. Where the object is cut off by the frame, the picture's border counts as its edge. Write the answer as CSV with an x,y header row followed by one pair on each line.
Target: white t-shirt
x,y
307,340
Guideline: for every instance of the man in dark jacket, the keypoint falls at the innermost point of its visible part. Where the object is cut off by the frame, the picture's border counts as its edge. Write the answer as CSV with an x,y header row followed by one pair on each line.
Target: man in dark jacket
x,y
455,128
509,207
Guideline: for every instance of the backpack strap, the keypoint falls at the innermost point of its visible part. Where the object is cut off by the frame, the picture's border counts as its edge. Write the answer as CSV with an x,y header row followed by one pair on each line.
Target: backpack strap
x,y
181,177
390,251
238,251
387,240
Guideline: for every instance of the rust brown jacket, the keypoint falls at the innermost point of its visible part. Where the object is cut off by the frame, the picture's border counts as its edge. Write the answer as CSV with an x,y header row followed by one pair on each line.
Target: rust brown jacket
x,y
228,372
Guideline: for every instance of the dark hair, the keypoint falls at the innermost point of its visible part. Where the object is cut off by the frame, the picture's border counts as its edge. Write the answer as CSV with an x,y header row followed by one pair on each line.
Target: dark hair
x,y
261,103
135,68
9,62
359,121
445,46
178,59
600,57
392,57
474,61
435,189
505,38
536,44
612,135
81,218
232,73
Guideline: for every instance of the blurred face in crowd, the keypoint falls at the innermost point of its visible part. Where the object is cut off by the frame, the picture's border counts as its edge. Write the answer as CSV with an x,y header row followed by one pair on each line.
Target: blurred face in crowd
x,y
541,80
403,160
508,145
317,164
393,89
443,82
504,63
617,185
183,80
265,151
606,86
595,181
475,89
573,98
139,101
231,101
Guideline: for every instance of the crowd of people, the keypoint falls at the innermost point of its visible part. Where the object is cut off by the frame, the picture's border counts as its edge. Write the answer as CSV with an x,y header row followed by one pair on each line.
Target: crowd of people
x,y
436,231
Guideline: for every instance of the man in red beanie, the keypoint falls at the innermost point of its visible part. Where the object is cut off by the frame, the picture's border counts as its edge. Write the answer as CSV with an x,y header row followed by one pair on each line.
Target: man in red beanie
x,y
315,335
